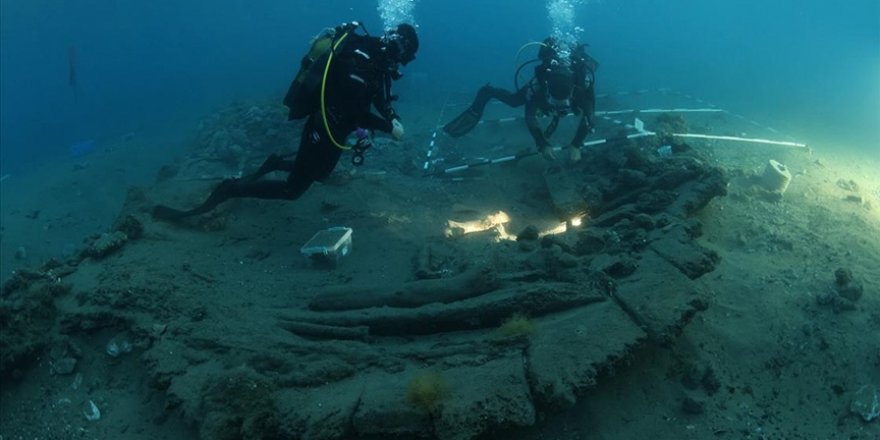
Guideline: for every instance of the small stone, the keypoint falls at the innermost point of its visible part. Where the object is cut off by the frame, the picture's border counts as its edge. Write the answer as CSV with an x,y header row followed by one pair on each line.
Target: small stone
x,y
855,198
644,221
866,403
851,292
529,233
692,406
690,378
589,243
710,382
91,412
825,299
568,260
621,268
64,366
848,185
158,329
776,178
118,346
847,287
842,276
527,246
130,226
842,304
77,382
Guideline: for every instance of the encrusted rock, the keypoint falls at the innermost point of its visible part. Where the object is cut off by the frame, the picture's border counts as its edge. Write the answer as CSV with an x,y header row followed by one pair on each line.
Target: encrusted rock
x,y
529,233
130,226
846,286
846,292
106,244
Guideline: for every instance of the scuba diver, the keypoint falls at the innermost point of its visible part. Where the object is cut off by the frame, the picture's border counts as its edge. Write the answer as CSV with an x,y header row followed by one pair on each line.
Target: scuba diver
x,y
561,84
340,79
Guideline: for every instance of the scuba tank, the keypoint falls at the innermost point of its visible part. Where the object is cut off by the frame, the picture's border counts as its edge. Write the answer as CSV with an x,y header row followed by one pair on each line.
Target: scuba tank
x,y
303,95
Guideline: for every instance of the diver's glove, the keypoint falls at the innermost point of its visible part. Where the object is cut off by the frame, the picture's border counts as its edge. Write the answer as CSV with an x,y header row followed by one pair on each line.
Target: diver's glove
x,y
574,153
397,129
547,152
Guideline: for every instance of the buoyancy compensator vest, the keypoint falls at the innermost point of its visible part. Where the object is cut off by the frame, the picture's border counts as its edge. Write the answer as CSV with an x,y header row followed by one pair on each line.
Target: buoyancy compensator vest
x,y
304,94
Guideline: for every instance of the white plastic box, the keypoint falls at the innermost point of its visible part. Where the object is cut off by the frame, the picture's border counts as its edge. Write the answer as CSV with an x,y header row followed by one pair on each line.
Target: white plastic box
x,y
327,247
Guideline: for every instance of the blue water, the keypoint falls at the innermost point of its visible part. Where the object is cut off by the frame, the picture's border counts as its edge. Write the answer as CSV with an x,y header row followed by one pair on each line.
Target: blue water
x,y
811,68
148,71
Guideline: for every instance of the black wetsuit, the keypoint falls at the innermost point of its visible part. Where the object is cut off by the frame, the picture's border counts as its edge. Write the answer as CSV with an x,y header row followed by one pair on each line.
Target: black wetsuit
x,y
535,96
359,79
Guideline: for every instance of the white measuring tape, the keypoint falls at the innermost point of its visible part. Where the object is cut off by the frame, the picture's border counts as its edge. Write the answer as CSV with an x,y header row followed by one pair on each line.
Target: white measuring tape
x,y
638,125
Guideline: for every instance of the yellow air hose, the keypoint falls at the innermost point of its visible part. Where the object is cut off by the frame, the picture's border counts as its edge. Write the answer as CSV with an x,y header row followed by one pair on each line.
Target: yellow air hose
x,y
324,87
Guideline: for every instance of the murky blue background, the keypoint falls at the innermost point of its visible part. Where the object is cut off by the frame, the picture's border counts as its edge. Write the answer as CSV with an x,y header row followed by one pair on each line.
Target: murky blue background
x,y
809,68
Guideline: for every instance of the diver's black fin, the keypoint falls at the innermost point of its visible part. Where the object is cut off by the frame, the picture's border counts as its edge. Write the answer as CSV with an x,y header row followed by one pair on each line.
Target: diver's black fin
x,y
463,124
162,212
225,190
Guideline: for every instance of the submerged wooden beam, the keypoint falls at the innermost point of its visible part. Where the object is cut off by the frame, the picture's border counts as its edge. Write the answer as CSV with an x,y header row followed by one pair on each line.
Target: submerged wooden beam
x,y
310,330
474,282
485,311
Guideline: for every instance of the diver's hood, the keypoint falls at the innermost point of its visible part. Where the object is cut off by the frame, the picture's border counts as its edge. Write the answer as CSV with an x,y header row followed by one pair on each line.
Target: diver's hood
x,y
402,43
560,81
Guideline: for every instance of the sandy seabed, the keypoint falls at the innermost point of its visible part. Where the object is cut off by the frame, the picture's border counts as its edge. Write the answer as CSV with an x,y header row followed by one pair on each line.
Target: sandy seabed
x,y
691,304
